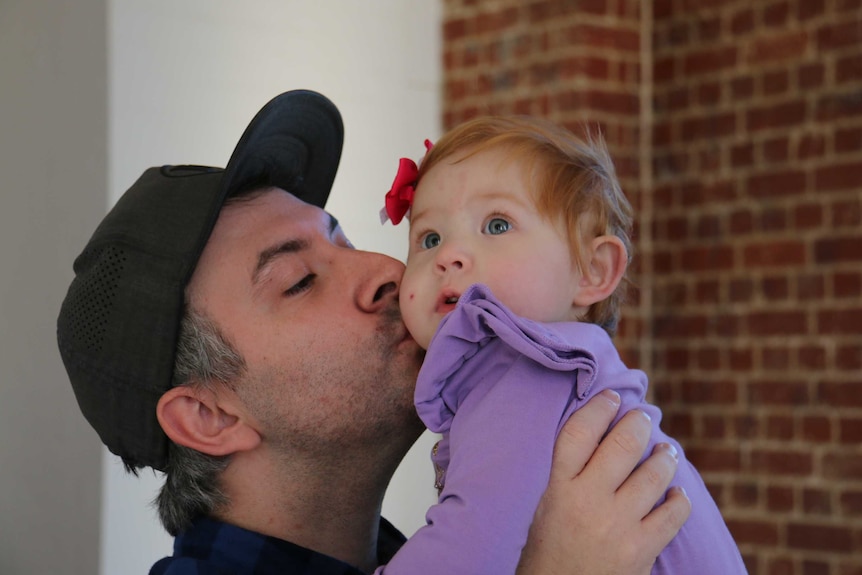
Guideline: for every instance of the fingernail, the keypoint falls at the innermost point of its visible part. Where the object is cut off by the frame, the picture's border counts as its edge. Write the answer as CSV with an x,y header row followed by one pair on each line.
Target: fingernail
x,y
672,450
612,396
680,489
645,414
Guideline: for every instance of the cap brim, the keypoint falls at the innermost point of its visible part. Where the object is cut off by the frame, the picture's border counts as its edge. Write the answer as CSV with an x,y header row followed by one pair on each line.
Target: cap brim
x,y
293,143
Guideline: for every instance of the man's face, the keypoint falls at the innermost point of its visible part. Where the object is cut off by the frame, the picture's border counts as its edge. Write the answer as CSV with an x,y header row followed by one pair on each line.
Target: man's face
x,y
330,363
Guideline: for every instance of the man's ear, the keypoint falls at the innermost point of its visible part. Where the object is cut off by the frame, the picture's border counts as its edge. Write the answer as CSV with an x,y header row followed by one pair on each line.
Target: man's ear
x,y
606,264
198,418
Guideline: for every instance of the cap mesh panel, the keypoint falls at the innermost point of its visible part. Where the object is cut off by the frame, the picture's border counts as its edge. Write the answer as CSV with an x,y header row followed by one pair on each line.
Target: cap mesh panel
x,y
92,302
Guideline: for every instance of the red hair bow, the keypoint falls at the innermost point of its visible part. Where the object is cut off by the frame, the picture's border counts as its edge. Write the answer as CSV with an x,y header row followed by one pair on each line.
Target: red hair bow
x,y
399,198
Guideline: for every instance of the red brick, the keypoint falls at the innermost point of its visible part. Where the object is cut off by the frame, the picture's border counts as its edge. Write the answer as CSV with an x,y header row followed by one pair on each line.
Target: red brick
x,y
834,107
838,249
776,184
709,61
810,287
849,357
779,498
811,75
708,127
713,427
778,393
809,9
727,326
807,216
817,429
851,503
584,67
839,394
848,140
787,253
662,9
775,288
742,88
775,358
740,290
741,359
707,291
455,29
843,464
846,321
849,69
839,177
811,146
742,155
760,533
778,47
707,258
841,35
850,431
742,22
812,357
791,463
776,565
772,220
816,502
496,22
679,425
847,284
782,115
711,459
776,150
745,426
815,567
710,392
595,37
745,494
779,428
764,323
597,7
847,214
776,14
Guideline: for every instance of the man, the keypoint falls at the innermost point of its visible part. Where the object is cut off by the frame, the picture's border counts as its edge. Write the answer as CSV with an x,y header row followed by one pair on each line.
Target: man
x,y
224,331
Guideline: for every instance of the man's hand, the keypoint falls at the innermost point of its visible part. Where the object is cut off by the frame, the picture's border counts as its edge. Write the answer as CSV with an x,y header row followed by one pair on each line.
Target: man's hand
x,y
597,515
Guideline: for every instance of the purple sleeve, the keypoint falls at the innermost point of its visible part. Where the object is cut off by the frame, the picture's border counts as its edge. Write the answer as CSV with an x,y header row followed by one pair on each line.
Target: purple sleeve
x,y
501,445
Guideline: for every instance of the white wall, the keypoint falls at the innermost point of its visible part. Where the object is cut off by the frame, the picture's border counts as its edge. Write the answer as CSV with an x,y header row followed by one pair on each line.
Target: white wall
x,y
91,93
53,161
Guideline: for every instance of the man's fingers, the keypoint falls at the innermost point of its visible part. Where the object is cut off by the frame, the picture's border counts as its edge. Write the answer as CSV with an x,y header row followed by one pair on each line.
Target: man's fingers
x,y
650,480
665,520
581,434
621,450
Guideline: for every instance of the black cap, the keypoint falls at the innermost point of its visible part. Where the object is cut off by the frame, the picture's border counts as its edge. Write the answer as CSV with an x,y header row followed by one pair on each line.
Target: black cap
x,y
119,322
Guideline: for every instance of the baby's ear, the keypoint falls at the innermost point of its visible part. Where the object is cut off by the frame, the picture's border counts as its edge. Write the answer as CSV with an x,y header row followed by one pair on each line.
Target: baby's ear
x,y
606,264
200,419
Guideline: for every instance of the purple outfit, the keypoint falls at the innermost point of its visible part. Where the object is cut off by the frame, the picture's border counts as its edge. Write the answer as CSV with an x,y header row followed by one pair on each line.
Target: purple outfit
x,y
499,388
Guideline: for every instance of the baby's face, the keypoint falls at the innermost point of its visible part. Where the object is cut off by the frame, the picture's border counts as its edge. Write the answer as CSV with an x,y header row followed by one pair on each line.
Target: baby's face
x,y
475,221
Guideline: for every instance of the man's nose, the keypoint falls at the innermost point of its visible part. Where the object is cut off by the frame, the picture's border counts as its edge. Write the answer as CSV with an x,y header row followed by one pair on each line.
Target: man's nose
x,y
379,280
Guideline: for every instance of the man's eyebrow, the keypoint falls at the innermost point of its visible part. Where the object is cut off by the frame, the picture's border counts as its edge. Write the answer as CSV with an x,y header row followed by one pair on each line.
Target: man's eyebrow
x,y
267,256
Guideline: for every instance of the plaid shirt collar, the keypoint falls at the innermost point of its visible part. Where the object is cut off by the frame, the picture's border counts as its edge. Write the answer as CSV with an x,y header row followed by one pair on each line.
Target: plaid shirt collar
x,y
211,547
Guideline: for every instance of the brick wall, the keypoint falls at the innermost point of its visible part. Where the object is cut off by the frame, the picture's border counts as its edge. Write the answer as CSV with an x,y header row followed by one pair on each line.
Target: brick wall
x,y
737,130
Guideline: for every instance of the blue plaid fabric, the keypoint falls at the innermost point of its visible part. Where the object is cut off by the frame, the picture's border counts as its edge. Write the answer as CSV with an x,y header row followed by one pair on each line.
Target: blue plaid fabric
x,y
211,547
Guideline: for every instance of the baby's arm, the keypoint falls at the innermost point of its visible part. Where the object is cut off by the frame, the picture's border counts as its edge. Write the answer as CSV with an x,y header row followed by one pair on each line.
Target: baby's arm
x,y
501,446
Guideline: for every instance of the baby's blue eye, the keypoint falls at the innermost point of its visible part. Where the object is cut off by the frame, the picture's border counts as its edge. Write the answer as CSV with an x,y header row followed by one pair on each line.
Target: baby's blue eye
x,y
497,226
430,240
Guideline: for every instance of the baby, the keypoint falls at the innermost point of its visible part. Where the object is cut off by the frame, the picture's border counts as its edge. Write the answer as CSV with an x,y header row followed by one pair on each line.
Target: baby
x,y
519,245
